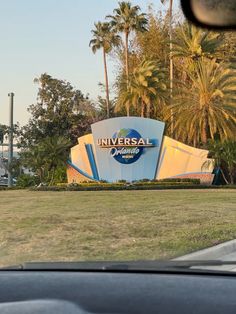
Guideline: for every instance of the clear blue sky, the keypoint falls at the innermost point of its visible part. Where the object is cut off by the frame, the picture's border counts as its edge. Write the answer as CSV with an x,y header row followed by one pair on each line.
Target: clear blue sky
x,y
52,36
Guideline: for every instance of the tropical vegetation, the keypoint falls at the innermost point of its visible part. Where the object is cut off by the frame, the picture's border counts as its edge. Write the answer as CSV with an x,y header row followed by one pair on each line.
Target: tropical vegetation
x,y
106,38
166,69
206,104
223,158
146,89
47,159
127,18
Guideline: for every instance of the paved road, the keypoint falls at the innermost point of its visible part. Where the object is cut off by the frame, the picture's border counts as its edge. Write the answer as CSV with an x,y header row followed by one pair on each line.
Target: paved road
x,y
228,257
224,252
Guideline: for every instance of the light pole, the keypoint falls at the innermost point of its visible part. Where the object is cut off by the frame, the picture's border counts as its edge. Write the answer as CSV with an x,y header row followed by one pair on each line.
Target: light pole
x,y
10,138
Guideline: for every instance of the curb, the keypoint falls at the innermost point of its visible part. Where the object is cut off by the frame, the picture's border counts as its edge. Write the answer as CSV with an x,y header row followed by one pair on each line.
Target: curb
x,y
212,253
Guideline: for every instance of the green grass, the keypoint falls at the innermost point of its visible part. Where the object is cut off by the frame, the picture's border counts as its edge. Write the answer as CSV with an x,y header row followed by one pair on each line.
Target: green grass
x,y
112,225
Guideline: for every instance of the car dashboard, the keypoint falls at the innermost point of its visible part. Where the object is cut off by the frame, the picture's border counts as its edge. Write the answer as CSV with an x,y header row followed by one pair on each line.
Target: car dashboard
x,y
78,292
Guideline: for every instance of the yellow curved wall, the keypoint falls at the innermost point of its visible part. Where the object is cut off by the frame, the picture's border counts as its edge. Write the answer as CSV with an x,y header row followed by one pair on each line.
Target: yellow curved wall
x,y
74,176
79,156
177,158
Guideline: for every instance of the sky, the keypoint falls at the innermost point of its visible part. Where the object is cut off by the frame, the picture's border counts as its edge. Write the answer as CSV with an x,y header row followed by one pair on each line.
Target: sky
x,y
52,36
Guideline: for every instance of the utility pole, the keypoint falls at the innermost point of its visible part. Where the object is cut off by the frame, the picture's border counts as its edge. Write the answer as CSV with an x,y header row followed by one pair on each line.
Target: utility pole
x,y
10,138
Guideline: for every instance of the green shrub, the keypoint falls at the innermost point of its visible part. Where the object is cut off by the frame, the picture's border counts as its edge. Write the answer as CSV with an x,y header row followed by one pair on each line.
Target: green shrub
x,y
5,188
179,180
61,184
145,180
27,180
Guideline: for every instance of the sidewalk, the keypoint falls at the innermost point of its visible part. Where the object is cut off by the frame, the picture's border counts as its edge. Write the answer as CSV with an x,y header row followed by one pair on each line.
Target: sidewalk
x,y
225,252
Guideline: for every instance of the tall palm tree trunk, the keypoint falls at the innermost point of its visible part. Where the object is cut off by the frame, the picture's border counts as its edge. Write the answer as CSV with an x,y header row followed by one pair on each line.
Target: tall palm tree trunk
x,y
40,174
224,177
204,136
127,56
106,83
52,176
127,64
231,176
205,129
142,109
171,65
127,111
148,110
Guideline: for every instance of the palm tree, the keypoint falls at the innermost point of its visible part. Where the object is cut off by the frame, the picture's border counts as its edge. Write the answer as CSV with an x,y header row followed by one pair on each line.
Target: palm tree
x,y
229,156
125,20
102,108
47,156
205,108
193,43
146,85
104,37
125,99
222,153
55,150
216,157
34,159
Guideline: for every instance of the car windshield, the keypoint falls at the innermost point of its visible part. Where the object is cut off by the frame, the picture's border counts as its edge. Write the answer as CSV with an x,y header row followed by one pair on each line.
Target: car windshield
x,y
117,134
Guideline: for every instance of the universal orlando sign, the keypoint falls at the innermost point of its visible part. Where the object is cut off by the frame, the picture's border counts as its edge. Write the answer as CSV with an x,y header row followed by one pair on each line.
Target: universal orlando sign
x,y
126,146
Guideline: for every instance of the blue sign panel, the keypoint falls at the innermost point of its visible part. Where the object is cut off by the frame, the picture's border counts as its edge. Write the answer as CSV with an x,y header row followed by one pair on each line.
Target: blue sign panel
x,y
124,153
127,148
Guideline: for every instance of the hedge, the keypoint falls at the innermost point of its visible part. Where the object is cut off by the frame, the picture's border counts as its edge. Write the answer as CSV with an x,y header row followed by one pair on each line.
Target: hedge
x,y
140,182
6,188
118,187
179,180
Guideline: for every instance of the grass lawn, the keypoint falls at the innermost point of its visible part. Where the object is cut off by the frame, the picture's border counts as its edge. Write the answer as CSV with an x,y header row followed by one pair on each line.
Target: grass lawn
x,y
114,225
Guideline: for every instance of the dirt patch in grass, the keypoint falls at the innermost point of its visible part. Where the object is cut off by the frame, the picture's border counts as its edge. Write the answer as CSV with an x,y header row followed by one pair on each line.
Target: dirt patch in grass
x,y
112,225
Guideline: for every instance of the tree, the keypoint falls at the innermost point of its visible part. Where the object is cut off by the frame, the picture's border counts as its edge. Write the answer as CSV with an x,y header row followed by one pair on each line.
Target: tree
x,y
149,45
193,43
152,44
102,108
146,85
125,99
56,150
46,157
15,167
27,180
60,110
33,158
228,49
215,148
104,37
4,130
126,19
223,156
2,133
229,156
205,108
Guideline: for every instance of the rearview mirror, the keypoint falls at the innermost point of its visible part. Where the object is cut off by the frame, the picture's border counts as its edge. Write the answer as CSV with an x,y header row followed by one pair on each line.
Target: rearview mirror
x,y
211,13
